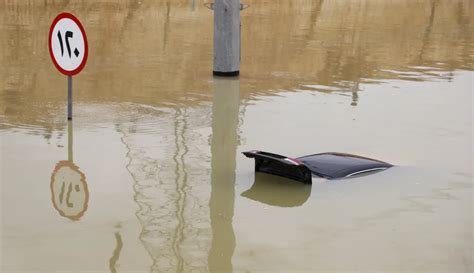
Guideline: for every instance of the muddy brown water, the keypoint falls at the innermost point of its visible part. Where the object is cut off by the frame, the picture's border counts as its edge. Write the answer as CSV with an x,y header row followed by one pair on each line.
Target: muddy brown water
x,y
149,176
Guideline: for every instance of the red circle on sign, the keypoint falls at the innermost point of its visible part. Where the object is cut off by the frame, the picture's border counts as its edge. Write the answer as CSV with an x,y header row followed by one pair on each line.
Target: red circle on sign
x,y
86,48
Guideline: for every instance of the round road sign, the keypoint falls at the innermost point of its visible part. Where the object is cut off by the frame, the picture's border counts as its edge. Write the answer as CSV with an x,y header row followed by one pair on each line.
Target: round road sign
x,y
68,44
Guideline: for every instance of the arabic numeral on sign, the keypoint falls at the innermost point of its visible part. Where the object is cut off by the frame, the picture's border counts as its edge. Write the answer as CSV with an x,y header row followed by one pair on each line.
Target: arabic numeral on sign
x,y
69,34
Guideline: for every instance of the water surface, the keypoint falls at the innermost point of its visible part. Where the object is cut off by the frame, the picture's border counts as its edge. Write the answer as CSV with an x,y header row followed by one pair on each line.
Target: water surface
x,y
149,177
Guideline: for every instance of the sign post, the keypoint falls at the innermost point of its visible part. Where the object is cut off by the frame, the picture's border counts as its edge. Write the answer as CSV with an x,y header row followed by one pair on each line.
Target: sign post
x,y
68,49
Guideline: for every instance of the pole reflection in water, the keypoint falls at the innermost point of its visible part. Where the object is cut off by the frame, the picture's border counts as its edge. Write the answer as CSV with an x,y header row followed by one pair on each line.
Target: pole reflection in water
x,y
169,212
172,183
278,191
225,112
355,98
181,184
116,253
69,192
355,95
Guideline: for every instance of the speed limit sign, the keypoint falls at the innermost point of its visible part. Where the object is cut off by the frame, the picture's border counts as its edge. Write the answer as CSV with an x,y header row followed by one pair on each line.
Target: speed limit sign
x,y
68,44
68,49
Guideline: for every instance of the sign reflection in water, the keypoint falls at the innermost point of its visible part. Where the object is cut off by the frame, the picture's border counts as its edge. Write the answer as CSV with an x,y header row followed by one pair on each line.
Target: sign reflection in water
x,y
69,191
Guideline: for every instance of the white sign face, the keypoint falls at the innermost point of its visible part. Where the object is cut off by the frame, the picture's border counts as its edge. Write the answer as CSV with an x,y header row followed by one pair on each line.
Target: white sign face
x,y
68,44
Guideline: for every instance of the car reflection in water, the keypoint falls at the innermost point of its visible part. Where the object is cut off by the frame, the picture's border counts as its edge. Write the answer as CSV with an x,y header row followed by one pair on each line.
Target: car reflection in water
x,y
277,191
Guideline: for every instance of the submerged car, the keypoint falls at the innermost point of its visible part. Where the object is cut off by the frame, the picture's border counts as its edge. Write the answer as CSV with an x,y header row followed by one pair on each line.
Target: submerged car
x,y
325,165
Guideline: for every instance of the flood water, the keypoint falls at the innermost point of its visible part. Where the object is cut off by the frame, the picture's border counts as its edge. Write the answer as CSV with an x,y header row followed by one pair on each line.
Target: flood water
x,y
149,175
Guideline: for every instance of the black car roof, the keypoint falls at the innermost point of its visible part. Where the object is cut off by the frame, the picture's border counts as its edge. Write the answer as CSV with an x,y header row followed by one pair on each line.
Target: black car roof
x,y
339,165
327,165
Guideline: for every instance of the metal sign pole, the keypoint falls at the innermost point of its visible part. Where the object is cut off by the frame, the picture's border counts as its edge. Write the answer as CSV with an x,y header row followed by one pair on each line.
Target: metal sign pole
x,y
69,97
69,141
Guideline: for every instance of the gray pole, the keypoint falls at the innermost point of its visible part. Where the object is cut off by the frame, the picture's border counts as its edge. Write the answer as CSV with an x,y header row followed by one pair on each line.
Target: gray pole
x,y
69,141
69,97
226,37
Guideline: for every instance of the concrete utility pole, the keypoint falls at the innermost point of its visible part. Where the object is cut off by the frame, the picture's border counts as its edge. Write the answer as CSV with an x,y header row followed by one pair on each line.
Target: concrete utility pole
x,y
227,37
